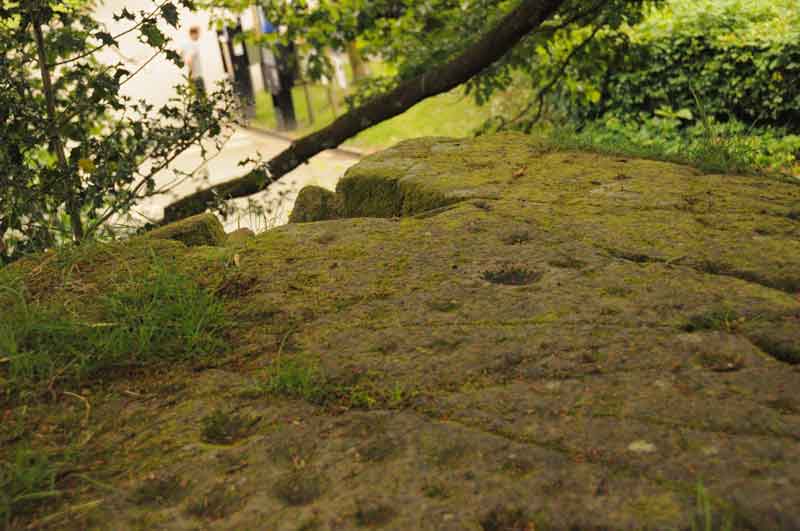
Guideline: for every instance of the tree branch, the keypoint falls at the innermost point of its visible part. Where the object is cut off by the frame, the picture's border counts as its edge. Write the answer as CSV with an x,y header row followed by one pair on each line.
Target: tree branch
x,y
529,15
560,73
73,208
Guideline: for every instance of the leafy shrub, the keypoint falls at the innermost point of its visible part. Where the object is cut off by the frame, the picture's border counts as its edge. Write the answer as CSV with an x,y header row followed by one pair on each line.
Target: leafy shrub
x,y
741,57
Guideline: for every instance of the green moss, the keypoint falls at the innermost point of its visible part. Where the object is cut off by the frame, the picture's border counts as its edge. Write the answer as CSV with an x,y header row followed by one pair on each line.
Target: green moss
x,y
782,343
656,510
435,490
370,196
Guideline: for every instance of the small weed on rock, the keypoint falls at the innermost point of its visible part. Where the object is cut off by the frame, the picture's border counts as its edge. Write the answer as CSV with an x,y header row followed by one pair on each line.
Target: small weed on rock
x,y
226,428
299,487
373,514
217,503
717,319
159,491
25,483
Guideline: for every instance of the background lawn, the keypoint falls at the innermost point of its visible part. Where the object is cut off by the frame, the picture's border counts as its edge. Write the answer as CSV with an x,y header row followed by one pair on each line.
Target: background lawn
x,y
453,114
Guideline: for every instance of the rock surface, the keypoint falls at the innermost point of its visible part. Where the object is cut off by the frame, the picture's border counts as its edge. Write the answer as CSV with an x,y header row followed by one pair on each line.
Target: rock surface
x,y
502,337
314,203
202,229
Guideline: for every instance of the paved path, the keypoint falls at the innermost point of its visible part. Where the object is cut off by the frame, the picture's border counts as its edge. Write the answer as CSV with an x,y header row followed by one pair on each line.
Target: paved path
x,y
277,201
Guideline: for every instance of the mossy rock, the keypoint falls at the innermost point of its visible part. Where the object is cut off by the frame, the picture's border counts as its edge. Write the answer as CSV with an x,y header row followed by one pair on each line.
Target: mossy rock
x,y
314,203
505,335
202,229
239,236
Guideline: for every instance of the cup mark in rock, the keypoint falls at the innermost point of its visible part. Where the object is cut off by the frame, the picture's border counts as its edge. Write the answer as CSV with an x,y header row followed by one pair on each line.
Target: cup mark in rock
x,y
512,276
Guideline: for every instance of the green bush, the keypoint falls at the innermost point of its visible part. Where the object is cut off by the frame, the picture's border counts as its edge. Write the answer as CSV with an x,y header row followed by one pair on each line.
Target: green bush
x,y
742,57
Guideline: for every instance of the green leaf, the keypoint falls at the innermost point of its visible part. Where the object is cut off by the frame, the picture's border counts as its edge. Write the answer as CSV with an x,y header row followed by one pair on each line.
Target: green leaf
x,y
106,38
170,14
152,35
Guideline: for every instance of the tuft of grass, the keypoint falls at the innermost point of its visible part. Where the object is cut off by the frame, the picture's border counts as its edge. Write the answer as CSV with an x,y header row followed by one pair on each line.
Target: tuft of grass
x,y
159,315
302,378
299,487
717,319
163,316
705,518
220,501
25,483
297,378
434,490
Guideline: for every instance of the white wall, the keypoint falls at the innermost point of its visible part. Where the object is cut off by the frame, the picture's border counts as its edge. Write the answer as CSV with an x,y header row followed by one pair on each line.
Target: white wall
x,y
157,80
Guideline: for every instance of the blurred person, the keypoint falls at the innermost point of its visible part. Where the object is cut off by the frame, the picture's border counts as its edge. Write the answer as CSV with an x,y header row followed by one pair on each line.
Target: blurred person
x,y
194,61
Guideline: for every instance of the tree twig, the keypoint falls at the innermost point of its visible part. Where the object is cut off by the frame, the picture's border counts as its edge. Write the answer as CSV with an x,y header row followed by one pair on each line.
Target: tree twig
x,y
99,47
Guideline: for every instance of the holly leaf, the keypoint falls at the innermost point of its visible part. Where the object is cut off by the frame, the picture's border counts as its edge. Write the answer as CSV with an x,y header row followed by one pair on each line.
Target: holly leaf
x,y
175,57
124,14
106,38
170,14
152,35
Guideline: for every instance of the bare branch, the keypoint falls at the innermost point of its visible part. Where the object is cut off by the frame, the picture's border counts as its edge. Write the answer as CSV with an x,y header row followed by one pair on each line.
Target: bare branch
x,y
99,47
